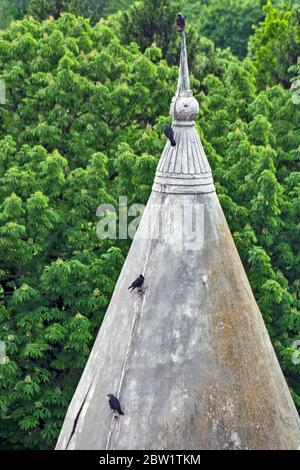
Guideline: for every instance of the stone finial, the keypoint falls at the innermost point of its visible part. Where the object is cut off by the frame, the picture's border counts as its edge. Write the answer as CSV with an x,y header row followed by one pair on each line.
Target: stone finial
x,y
184,169
184,107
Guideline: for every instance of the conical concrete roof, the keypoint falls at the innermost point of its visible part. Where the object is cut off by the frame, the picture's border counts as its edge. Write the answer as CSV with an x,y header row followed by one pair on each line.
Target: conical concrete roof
x,y
190,358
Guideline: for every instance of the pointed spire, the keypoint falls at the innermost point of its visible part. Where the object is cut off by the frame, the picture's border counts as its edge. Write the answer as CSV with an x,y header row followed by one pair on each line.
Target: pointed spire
x,y
183,79
183,168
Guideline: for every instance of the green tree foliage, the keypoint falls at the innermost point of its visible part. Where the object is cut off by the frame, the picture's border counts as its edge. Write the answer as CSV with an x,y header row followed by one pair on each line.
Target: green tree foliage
x,y
275,46
111,6
193,9
11,9
79,106
151,21
228,23
42,9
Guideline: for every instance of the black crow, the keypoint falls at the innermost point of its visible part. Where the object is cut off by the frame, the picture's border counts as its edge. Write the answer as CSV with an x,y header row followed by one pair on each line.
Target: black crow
x,y
180,22
114,403
169,133
137,283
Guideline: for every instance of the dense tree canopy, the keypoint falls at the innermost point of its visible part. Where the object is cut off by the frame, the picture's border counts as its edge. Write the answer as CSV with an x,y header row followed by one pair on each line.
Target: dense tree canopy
x,y
81,126
228,23
275,46
151,21
11,9
79,105
41,9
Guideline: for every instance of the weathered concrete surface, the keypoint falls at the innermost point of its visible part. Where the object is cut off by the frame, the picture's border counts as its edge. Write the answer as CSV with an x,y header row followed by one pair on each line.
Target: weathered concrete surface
x,y
190,359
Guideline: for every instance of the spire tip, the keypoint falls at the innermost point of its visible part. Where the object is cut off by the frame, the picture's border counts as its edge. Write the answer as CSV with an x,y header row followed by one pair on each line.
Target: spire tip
x,y
184,79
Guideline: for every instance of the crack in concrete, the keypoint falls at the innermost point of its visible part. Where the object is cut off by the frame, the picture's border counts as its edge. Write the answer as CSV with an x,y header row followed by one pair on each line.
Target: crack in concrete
x,y
78,415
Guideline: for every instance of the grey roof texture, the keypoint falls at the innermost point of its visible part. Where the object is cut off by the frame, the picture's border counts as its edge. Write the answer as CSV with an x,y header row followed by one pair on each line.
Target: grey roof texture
x,y
189,358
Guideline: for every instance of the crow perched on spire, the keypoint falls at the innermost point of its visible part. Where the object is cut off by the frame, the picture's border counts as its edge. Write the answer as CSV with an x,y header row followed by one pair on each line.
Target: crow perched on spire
x,y
114,403
137,283
180,22
169,133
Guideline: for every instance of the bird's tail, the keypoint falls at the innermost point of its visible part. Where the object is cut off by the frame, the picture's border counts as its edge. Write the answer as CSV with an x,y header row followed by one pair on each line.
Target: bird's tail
x,y
173,143
121,412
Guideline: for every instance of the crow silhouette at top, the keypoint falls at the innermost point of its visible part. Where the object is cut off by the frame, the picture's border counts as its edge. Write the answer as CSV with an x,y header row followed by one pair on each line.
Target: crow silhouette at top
x,y
114,403
180,22
169,133
137,283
